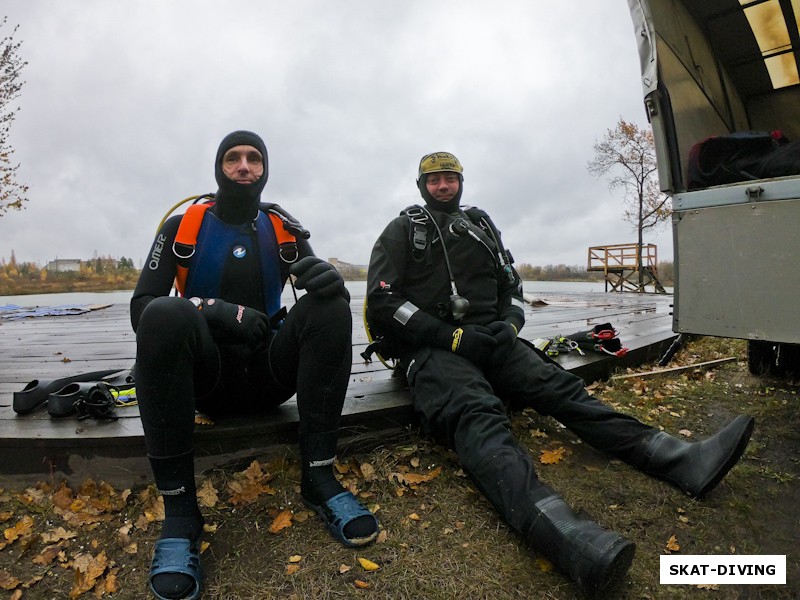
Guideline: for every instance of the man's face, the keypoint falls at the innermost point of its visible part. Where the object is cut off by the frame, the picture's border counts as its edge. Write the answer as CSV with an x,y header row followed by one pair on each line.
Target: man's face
x,y
243,164
442,186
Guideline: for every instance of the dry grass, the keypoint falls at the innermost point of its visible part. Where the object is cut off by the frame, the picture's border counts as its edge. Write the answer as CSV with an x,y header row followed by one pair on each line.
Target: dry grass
x,y
442,540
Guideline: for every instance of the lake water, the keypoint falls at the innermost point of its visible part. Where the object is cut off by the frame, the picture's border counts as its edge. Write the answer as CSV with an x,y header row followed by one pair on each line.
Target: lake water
x,y
357,288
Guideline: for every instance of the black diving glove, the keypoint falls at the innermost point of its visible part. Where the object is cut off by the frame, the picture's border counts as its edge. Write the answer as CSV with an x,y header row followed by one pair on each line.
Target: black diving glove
x,y
473,342
506,335
235,323
318,277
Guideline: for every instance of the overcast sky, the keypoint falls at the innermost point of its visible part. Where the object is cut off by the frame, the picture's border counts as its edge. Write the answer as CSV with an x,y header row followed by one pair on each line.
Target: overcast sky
x,y
125,103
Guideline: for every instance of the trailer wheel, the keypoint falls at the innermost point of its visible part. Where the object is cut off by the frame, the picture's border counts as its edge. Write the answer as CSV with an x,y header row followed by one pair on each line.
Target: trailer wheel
x,y
762,357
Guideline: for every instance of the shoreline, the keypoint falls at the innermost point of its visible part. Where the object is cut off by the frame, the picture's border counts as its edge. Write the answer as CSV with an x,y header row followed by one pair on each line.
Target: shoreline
x,y
32,290
533,289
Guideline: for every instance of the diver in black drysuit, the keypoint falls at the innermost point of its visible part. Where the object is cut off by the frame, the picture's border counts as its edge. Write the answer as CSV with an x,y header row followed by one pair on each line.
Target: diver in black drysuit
x,y
462,372
222,356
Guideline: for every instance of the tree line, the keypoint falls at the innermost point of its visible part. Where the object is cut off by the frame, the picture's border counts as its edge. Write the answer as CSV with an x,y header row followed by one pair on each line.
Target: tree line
x,y
579,273
104,273
527,272
101,273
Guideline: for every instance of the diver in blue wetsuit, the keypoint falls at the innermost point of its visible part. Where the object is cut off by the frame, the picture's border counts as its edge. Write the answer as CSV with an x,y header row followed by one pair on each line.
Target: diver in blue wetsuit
x,y
225,347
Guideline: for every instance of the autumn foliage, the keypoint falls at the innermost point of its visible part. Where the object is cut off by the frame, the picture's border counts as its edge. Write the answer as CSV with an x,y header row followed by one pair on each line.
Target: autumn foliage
x,y
12,193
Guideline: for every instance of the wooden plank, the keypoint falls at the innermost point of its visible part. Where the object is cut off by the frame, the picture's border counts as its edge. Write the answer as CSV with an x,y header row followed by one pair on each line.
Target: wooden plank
x,y
672,370
377,402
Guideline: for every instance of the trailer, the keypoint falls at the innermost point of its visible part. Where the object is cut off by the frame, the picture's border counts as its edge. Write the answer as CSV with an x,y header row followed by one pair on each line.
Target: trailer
x,y
727,71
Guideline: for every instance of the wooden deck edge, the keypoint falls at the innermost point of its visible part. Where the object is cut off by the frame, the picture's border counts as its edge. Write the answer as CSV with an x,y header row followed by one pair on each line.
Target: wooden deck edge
x,y
132,469
369,420
122,462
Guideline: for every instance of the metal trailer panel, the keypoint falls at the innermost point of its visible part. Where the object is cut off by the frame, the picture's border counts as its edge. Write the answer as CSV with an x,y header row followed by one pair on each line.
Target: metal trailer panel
x,y
736,271
735,246
762,190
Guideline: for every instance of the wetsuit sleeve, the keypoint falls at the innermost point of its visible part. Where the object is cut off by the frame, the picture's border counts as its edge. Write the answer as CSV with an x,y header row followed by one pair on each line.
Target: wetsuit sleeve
x,y
158,273
388,311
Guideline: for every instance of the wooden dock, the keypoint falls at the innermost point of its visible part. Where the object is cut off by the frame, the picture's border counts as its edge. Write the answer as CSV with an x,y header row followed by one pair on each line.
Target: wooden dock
x,y
37,447
620,265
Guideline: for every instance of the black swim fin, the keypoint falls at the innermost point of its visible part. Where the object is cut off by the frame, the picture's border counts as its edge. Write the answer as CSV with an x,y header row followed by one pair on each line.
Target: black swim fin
x,y
86,399
35,393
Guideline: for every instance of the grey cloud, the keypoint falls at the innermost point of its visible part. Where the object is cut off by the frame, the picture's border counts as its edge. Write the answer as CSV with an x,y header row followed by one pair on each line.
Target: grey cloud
x,y
125,104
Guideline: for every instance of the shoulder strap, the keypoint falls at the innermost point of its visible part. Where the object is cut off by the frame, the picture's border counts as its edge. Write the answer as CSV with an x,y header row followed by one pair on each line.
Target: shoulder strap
x,y
418,233
287,222
482,219
287,230
186,241
287,243
186,238
420,238
280,232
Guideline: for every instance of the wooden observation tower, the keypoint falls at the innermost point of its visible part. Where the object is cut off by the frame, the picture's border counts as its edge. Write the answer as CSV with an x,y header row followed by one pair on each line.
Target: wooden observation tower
x,y
618,263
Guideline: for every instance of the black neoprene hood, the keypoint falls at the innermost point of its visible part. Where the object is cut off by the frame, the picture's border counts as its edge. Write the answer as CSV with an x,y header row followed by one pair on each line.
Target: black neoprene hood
x,y
237,202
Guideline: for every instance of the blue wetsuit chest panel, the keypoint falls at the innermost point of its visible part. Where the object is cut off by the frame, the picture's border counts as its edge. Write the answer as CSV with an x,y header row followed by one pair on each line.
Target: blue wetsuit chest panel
x,y
229,261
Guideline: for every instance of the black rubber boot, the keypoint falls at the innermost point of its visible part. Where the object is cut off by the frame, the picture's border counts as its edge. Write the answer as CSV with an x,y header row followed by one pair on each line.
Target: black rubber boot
x,y
596,559
696,467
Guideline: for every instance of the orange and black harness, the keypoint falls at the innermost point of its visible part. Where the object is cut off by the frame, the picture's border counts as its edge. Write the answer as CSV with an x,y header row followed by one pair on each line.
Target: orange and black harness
x,y
185,245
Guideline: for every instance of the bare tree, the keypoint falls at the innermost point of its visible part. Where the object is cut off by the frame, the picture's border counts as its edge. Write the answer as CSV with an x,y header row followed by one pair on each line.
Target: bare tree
x,y
627,153
12,193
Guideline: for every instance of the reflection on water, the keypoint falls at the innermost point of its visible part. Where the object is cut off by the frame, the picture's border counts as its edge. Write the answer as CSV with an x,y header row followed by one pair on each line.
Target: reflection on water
x,y
357,289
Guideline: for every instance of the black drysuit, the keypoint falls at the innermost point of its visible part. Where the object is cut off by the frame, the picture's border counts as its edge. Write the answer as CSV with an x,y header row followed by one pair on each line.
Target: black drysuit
x,y
461,403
